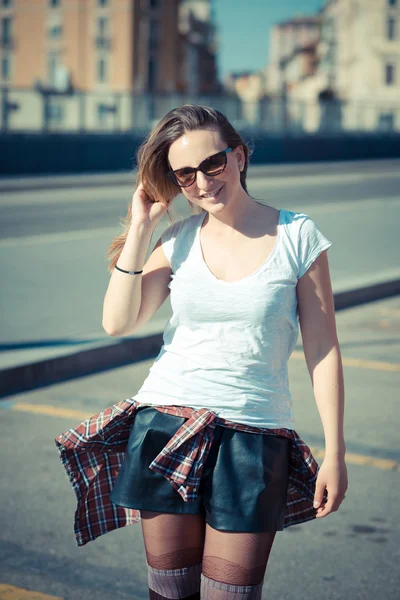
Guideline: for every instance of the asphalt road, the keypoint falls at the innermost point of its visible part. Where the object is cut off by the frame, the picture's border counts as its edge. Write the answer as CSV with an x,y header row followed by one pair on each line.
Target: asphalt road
x,y
54,241
351,554
54,277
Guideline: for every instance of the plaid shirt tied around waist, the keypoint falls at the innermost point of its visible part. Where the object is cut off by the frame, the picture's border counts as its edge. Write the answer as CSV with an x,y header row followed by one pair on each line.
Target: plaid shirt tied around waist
x,y
93,452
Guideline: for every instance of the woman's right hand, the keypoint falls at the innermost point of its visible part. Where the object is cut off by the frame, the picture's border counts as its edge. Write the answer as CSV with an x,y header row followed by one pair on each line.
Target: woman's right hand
x,y
145,210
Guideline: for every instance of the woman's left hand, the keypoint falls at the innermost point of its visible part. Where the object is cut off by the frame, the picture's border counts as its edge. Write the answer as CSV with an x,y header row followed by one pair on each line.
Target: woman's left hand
x,y
332,476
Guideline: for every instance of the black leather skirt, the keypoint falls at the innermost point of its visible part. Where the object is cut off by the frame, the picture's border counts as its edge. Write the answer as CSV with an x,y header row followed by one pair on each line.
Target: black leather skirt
x,y
243,485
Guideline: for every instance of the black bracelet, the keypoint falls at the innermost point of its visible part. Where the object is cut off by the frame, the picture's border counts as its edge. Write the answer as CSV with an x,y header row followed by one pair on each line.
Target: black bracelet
x,y
130,272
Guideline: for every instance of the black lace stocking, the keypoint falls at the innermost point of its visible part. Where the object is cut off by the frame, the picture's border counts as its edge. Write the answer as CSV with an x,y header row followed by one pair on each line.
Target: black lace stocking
x,y
174,542
236,558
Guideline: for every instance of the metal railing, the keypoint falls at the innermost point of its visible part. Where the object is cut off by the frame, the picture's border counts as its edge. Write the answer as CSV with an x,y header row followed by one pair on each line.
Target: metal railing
x,y
45,110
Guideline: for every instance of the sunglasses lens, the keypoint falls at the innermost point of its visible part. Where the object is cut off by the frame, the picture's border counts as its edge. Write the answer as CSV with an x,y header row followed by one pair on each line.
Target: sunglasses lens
x,y
215,164
184,177
211,166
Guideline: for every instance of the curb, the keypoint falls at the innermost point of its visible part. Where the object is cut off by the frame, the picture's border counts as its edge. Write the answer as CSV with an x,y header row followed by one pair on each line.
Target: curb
x,y
23,378
363,295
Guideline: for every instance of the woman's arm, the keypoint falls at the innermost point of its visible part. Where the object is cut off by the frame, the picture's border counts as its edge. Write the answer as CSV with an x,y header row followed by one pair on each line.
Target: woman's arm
x,y
323,357
131,300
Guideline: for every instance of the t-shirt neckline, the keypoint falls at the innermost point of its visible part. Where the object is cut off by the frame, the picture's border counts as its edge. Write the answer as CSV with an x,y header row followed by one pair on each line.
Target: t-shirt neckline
x,y
243,279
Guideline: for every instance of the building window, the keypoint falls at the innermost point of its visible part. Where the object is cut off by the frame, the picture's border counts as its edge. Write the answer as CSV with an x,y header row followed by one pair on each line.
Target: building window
x,y
154,34
55,32
6,25
101,114
390,74
6,3
102,74
392,2
152,75
53,60
5,68
386,122
102,2
391,28
55,3
102,25
103,110
102,35
55,112
154,3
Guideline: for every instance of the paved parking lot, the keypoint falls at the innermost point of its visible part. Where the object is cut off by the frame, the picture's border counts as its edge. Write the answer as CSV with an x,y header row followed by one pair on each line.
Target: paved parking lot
x,y
353,553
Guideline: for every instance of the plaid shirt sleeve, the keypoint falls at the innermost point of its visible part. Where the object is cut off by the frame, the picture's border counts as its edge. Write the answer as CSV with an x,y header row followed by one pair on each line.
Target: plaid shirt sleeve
x,y
93,452
303,472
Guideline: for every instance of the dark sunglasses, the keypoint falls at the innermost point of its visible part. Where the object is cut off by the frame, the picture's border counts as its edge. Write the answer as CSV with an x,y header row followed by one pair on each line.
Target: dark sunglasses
x,y
213,165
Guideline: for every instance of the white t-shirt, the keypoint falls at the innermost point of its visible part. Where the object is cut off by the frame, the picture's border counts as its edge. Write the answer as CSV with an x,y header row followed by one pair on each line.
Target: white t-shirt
x,y
227,344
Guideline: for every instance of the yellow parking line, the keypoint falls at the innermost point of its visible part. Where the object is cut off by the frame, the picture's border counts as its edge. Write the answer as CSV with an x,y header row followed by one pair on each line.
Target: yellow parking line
x,y
379,463
362,459
52,411
10,592
318,453
373,365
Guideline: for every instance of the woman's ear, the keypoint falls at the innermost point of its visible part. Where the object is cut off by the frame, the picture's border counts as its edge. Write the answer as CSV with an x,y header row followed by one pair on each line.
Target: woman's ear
x,y
240,157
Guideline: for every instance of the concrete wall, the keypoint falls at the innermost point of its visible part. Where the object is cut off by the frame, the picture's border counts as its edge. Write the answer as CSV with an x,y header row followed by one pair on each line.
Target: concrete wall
x,y
34,154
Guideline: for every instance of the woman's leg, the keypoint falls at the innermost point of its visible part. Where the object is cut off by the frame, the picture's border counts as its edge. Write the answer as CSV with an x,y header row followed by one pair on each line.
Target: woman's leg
x,y
234,564
174,546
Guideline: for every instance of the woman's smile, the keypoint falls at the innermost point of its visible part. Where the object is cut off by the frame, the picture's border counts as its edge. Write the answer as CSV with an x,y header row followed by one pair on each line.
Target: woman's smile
x,y
213,195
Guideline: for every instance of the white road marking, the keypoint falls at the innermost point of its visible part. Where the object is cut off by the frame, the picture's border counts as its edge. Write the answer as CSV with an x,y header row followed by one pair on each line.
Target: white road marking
x,y
64,237
338,179
349,206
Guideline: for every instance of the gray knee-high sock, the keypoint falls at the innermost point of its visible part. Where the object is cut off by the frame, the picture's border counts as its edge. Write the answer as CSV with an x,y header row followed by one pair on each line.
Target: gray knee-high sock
x,y
174,583
216,590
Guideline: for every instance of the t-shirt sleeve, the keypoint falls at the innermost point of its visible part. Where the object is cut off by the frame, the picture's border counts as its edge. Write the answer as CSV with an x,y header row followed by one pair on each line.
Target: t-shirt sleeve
x,y
168,240
311,243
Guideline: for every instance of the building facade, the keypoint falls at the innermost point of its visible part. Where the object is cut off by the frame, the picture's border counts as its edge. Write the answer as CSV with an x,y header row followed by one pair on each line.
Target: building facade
x,y
286,39
250,88
198,61
97,44
362,63
357,67
95,63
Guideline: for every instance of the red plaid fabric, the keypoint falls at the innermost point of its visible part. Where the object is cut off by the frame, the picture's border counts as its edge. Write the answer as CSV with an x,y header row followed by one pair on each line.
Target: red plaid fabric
x,y
93,452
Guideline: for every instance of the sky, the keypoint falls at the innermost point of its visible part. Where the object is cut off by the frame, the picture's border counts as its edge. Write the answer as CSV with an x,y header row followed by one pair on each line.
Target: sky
x,y
243,29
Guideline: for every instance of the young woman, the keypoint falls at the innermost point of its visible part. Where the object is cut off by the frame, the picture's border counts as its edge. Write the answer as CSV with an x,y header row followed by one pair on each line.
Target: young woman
x,y
206,453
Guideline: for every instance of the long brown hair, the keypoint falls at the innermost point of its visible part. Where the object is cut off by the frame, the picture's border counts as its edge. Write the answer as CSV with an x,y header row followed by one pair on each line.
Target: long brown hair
x,y
152,159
